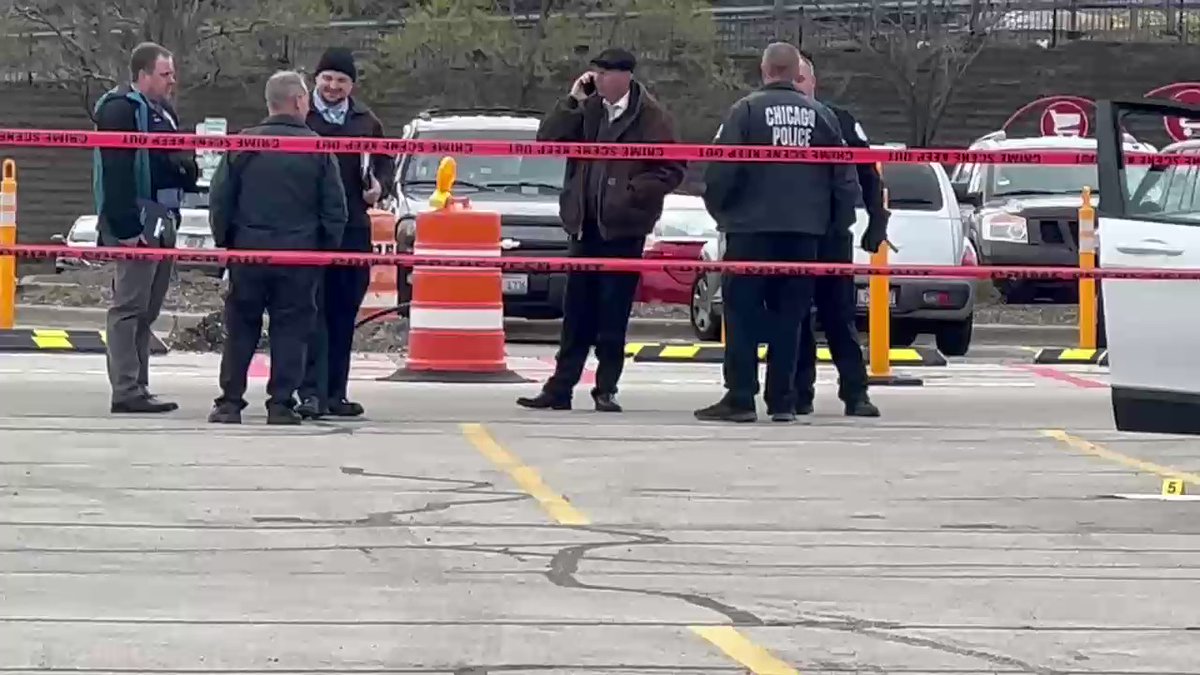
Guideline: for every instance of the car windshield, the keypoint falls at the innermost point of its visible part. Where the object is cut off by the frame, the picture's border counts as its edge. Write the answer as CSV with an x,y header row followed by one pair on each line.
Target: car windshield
x,y
1013,180
912,187
688,222
526,175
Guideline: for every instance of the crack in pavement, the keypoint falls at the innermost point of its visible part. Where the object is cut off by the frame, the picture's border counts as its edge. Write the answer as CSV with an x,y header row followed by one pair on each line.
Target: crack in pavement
x,y
387,518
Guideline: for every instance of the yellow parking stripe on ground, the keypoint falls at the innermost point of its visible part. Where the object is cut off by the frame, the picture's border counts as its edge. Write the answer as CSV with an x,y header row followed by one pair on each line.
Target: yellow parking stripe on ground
x,y
526,477
758,660
1091,448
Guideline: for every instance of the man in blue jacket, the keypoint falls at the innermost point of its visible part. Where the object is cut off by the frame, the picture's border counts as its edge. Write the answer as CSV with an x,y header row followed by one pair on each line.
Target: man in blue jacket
x,y
834,295
138,195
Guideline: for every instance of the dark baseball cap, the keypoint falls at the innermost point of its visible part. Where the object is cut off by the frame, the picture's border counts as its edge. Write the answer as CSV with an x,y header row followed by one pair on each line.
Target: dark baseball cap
x,y
615,58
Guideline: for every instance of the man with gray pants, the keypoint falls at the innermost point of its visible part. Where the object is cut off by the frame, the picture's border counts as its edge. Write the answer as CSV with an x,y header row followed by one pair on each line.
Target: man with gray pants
x,y
138,194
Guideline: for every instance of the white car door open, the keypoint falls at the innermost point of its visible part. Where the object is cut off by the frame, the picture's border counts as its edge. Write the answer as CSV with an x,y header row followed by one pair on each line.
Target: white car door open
x,y
1153,326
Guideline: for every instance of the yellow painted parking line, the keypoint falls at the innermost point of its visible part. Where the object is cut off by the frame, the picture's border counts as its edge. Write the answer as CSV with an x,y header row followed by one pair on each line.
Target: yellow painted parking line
x,y
1088,447
735,645
526,477
739,648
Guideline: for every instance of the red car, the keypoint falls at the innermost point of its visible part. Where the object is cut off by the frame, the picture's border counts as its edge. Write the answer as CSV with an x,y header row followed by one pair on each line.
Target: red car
x,y
682,231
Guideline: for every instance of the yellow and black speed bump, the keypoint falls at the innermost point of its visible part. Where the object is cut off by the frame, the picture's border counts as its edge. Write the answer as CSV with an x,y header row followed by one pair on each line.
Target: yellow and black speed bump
x,y
1061,356
714,352
69,341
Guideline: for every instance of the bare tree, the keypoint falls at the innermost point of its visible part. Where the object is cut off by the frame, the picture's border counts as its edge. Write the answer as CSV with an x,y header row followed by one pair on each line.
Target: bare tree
x,y
506,52
924,48
82,44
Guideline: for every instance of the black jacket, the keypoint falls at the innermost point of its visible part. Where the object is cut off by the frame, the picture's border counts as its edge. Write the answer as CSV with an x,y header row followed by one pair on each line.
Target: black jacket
x,y
277,200
796,197
169,169
360,122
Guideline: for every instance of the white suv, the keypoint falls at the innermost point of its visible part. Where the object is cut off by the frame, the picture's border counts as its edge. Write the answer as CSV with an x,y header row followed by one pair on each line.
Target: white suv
x,y
927,229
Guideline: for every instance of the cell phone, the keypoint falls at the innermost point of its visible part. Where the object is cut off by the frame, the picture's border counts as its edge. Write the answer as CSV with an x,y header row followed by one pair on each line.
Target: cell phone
x,y
589,87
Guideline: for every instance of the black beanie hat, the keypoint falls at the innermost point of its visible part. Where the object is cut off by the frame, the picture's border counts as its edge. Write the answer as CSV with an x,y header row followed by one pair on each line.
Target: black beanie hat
x,y
338,59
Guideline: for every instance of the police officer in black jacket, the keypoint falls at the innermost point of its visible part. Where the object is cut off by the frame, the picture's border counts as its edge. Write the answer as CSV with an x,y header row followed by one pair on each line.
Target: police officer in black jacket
x,y
834,295
776,212
273,201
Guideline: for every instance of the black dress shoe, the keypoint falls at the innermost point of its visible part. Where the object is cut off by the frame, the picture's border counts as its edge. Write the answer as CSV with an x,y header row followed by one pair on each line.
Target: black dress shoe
x,y
544,401
225,414
607,403
783,416
144,404
804,408
310,408
722,411
861,408
344,408
278,414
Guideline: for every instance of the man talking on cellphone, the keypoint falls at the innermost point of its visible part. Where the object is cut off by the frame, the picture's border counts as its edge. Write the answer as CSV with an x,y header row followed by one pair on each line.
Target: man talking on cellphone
x,y
607,208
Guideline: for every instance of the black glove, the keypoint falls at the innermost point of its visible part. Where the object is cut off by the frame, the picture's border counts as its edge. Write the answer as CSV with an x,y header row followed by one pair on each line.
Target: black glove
x,y
876,232
187,170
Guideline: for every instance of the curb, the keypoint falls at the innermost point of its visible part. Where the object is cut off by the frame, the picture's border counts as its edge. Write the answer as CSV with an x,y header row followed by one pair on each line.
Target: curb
x,y
63,341
714,352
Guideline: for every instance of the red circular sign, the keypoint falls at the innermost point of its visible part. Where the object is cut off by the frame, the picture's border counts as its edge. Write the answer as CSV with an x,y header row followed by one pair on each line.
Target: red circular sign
x,y
1180,128
1064,118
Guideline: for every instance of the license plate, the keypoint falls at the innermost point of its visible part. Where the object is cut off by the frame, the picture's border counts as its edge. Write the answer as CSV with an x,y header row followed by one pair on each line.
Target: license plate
x,y
864,297
193,241
515,284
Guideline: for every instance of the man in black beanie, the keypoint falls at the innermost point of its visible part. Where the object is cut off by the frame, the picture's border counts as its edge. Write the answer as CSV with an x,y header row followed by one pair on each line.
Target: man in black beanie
x,y
335,112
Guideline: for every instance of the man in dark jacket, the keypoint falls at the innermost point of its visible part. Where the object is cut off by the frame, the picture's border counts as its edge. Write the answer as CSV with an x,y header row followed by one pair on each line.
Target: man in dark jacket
x,y
608,208
834,296
334,112
273,201
775,212
138,194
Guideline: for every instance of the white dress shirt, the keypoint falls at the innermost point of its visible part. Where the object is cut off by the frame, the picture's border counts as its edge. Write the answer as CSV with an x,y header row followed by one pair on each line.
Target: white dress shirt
x,y
615,109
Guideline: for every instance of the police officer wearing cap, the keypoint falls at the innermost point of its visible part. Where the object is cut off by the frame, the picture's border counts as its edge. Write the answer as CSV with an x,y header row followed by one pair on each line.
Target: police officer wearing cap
x,y
773,212
335,112
833,294
608,208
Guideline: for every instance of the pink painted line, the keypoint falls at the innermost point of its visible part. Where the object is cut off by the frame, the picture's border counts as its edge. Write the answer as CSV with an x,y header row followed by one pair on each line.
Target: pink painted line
x,y
260,367
1052,373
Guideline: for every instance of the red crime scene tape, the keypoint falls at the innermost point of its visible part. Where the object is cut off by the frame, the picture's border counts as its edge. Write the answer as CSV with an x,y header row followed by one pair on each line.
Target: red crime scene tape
x,y
42,138
519,264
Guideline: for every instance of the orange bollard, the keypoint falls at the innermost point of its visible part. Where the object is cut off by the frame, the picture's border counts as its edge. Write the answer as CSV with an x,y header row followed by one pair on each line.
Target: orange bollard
x,y
382,297
456,319
8,237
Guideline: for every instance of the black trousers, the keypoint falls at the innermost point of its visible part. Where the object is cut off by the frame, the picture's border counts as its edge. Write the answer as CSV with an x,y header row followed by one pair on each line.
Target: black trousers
x,y
774,302
287,294
595,314
836,306
339,296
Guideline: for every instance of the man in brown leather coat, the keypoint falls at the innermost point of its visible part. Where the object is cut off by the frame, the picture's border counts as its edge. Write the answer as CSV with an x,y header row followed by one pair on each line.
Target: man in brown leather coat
x,y
608,207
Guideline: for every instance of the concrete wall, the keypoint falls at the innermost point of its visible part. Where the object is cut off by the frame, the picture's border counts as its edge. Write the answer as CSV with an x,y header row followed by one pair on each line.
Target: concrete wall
x,y
55,184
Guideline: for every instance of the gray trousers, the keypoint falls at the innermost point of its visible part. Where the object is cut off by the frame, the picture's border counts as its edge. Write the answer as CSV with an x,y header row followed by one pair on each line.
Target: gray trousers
x,y
139,288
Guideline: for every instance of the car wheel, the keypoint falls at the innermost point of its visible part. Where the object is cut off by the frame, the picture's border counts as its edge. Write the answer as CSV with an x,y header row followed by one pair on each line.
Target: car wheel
x,y
705,323
954,339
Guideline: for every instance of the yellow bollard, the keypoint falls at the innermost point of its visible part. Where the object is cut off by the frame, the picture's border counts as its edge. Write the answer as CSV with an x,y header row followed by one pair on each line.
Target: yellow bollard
x,y
8,237
446,173
879,319
1087,261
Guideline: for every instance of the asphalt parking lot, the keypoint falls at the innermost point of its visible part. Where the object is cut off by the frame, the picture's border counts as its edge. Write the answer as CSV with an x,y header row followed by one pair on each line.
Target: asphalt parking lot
x,y
989,522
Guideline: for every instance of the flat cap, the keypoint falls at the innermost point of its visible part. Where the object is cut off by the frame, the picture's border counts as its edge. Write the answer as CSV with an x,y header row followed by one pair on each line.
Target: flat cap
x,y
615,58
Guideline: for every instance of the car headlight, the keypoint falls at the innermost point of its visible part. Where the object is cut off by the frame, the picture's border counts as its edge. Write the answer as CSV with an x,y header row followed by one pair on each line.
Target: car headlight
x,y
1005,227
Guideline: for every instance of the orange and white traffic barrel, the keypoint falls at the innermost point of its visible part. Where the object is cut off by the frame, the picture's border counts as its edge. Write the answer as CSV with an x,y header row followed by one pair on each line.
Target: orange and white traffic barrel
x,y
382,295
456,317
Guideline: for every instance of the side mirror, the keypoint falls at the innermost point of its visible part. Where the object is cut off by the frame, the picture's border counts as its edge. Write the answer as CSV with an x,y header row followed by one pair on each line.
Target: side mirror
x,y
58,239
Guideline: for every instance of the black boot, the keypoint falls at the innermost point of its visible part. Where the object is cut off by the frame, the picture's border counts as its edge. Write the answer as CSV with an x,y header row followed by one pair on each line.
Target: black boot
x,y
545,401
225,414
861,408
344,408
804,408
607,403
282,415
724,411
310,408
